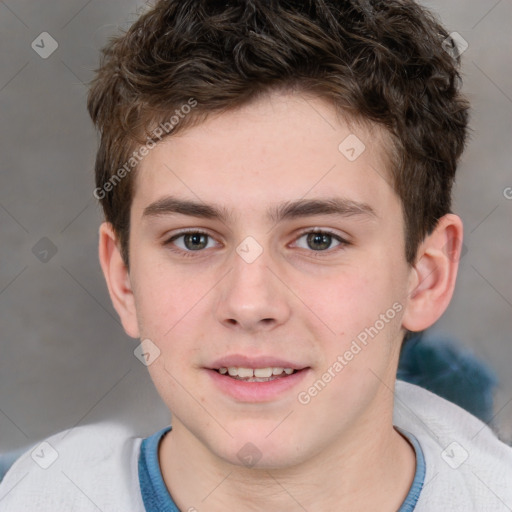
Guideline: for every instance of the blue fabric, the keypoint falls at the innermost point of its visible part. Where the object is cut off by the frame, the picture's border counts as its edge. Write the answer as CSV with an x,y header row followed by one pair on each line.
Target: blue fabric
x,y
448,369
156,497
413,495
9,458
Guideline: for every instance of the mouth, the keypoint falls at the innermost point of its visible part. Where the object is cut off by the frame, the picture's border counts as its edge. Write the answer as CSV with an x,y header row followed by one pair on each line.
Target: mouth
x,y
256,379
256,374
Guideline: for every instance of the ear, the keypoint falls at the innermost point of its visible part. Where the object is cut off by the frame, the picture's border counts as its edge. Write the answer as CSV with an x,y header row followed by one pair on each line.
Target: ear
x,y
433,275
118,279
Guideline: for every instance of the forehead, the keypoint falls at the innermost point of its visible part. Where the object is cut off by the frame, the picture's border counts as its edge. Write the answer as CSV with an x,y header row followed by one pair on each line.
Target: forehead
x,y
282,147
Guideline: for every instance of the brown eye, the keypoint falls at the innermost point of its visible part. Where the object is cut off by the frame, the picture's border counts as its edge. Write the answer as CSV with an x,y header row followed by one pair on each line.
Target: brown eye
x,y
195,241
192,241
319,241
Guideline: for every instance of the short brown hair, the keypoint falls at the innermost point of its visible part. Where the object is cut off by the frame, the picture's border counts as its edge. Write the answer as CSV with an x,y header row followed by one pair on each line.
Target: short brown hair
x,y
380,61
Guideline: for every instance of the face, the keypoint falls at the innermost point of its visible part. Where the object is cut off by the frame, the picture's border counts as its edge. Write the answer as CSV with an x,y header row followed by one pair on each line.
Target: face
x,y
266,239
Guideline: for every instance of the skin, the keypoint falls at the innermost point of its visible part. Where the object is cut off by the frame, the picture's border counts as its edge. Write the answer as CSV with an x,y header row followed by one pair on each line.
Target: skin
x,y
294,301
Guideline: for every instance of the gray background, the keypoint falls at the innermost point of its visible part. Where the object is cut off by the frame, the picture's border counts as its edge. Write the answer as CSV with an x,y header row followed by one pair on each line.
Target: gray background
x,y
64,358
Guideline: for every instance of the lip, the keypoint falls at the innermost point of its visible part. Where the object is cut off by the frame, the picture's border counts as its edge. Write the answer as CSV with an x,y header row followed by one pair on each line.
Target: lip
x,y
243,361
254,392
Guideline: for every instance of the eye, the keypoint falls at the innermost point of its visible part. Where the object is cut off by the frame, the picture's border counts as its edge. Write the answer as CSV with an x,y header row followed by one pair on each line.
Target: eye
x,y
319,241
192,241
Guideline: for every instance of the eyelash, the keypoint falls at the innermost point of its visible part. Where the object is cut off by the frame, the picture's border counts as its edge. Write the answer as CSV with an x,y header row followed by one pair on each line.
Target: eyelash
x,y
181,252
317,254
343,243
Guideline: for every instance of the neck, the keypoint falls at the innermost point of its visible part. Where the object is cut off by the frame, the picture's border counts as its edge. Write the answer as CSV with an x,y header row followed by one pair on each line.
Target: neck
x,y
369,468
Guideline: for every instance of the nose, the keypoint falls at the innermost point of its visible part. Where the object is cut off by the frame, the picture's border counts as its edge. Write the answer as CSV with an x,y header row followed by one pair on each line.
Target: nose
x,y
251,297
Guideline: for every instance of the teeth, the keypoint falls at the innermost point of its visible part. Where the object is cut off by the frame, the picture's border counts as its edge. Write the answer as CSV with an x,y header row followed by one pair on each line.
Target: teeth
x,y
262,372
245,372
241,372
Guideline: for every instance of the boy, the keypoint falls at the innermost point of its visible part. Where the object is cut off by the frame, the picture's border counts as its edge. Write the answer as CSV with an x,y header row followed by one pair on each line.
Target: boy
x,y
276,181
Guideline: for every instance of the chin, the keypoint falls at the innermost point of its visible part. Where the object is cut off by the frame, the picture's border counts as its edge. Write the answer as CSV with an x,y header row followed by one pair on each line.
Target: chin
x,y
258,450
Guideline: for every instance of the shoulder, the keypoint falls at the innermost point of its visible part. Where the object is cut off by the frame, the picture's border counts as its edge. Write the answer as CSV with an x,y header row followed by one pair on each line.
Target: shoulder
x,y
85,468
467,466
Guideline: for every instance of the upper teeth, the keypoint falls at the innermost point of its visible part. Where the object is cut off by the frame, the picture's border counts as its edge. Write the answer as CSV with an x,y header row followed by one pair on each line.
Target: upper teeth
x,y
255,372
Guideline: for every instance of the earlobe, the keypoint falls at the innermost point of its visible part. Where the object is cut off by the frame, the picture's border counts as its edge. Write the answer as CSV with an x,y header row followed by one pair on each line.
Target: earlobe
x,y
433,275
118,279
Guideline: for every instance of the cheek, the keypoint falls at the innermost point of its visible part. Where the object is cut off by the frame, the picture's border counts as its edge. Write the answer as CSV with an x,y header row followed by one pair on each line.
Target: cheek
x,y
362,307
352,297
165,296
174,311
171,314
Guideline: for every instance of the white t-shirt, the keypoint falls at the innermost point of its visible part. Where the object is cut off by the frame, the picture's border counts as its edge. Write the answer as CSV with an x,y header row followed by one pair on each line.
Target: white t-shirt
x,y
95,467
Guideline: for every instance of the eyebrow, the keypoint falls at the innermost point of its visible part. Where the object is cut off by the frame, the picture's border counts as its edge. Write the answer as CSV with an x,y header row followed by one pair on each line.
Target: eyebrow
x,y
170,205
